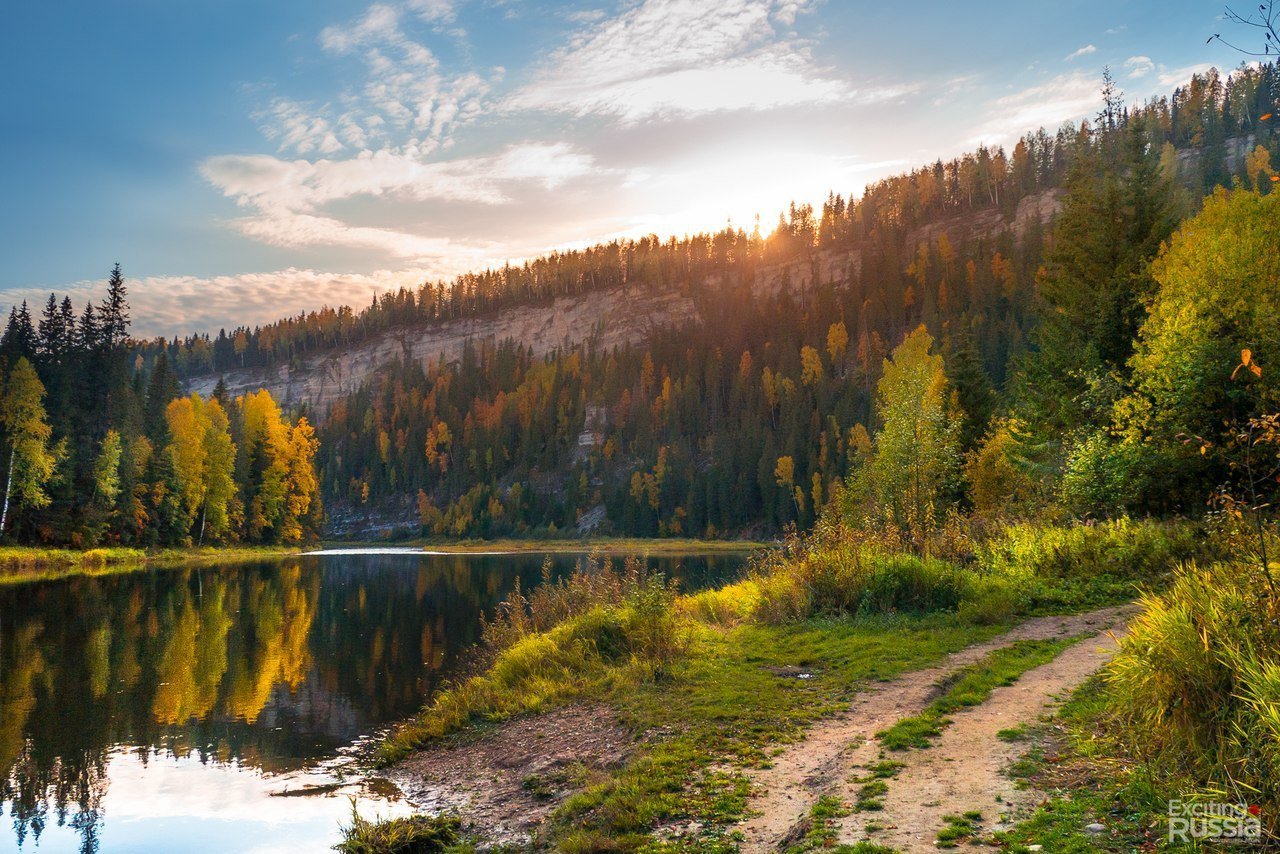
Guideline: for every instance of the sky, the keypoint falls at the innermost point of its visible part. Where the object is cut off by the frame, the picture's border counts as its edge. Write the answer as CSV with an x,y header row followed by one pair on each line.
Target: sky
x,y
249,160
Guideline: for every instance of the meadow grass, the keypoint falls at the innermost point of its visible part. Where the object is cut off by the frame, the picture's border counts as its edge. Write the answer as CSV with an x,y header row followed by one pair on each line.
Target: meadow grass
x,y
720,703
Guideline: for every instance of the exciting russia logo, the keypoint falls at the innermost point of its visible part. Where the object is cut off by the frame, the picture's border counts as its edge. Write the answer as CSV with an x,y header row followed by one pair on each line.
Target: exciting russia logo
x,y
1190,821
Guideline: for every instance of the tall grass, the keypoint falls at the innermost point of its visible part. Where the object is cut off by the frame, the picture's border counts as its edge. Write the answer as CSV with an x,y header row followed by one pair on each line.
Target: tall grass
x,y
986,576
595,582
1122,548
1196,684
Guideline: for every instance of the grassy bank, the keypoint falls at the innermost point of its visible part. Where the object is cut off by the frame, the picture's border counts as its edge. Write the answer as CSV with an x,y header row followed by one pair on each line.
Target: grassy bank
x,y
30,563
714,672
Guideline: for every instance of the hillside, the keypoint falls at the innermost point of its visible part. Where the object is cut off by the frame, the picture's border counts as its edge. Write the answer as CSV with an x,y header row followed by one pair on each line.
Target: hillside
x,y
717,384
706,385
607,319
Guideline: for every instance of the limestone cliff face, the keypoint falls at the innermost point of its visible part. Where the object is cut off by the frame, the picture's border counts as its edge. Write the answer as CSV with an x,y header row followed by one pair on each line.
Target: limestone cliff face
x,y
608,318
614,317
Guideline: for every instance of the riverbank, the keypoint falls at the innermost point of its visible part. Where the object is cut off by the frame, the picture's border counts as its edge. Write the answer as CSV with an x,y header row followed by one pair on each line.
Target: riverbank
x,y
692,697
34,563
656,547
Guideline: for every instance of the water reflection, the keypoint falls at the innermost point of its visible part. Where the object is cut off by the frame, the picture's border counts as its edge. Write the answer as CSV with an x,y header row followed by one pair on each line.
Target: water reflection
x,y
256,674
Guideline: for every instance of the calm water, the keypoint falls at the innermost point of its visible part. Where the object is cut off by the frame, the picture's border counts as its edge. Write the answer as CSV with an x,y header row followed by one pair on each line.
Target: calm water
x,y
168,710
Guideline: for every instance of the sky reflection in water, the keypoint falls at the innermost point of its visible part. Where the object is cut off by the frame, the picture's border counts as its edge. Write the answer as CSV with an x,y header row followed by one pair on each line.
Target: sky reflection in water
x,y
150,710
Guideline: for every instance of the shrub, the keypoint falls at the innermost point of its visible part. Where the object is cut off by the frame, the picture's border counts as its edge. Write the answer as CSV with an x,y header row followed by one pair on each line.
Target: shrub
x,y
1105,475
842,575
1124,549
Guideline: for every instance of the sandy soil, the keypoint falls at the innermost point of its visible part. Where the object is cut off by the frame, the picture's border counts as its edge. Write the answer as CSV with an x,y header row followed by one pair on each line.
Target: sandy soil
x,y
506,782
963,771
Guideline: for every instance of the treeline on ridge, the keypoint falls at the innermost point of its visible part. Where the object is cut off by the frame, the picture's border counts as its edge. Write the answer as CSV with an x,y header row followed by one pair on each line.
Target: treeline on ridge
x,y
1192,131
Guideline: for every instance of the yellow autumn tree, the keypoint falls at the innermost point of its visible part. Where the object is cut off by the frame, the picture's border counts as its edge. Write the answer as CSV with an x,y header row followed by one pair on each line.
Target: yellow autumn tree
x,y
266,449
302,486
187,453
916,456
810,366
837,344
202,457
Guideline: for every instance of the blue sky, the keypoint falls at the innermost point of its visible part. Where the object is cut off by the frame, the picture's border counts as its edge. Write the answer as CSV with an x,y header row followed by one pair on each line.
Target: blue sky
x,y
245,160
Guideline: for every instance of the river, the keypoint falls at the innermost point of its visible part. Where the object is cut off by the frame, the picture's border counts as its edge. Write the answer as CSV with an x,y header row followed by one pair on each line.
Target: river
x,y
175,709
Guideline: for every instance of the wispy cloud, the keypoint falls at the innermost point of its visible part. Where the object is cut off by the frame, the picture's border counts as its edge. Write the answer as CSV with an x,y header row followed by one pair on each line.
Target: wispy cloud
x,y
1064,98
1139,66
287,197
1079,52
297,128
1171,77
169,305
404,97
673,57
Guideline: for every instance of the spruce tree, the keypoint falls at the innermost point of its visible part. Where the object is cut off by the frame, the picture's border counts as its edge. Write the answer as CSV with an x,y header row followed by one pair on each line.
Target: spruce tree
x,y
113,313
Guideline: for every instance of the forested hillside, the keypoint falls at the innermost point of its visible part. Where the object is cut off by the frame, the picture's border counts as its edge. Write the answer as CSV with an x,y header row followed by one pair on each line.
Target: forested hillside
x,y
742,395
749,414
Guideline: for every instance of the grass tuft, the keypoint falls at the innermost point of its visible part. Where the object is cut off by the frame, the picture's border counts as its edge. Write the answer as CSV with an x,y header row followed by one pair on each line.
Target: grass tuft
x,y
418,834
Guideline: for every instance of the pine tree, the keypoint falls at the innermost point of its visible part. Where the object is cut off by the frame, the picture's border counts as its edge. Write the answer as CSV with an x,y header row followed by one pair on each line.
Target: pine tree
x,y
88,336
162,387
20,338
50,334
113,313
975,395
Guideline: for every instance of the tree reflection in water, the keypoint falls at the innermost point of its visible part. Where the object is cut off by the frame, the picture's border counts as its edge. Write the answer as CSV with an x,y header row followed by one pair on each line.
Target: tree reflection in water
x,y
269,666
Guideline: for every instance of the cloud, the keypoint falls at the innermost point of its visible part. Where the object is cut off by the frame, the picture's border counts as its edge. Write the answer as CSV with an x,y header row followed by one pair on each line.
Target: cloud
x,y
674,57
287,196
1064,98
1139,66
180,305
271,184
298,129
435,11
403,96
1170,78
1084,51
